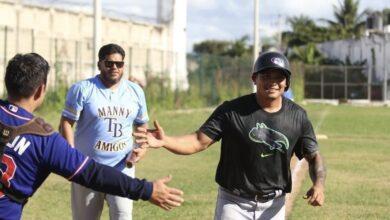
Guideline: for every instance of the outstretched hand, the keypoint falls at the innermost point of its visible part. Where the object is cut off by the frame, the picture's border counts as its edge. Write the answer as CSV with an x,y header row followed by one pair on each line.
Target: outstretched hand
x,y
164,196
153,138
136,155
315,196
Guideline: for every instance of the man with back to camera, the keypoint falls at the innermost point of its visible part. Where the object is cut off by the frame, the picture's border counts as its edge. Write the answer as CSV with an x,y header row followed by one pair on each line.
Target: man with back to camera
x,y
28,158
105,107
259,133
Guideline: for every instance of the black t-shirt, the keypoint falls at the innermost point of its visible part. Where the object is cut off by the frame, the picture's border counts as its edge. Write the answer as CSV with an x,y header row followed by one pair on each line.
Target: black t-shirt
x,y
257,146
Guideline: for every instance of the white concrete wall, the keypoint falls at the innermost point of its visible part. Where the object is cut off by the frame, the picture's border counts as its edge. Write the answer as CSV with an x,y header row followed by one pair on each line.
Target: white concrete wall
x,y
64,38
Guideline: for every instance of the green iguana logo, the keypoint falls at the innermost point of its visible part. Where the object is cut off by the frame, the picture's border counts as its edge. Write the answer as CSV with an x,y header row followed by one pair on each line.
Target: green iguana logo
x,y
274,140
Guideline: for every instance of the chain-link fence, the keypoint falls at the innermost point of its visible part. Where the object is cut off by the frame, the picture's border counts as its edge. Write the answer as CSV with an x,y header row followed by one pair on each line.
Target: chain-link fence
x,y
212,80
72,60
218,78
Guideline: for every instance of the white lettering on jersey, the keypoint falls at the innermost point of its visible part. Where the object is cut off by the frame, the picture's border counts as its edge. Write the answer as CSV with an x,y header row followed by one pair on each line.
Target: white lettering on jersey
x,y
19,144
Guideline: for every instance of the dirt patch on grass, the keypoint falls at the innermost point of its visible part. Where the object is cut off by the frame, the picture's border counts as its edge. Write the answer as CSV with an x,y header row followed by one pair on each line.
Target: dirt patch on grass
x,y
298,170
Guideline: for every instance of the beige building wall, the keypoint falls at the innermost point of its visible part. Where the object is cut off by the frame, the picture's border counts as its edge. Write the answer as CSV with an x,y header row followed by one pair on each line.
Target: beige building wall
x,y
64,38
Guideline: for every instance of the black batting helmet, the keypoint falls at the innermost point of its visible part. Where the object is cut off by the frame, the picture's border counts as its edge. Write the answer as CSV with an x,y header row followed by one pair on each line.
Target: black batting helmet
x,y
273,60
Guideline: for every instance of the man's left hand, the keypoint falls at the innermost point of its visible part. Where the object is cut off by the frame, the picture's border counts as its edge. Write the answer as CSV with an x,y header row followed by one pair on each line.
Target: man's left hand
x,y
315,195
136,155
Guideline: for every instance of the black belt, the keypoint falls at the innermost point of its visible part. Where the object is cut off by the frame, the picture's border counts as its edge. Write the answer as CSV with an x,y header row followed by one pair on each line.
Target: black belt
x,y
258,197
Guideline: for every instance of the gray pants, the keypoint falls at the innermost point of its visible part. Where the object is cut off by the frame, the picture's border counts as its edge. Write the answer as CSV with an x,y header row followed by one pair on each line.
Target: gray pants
x,y
232,207
87,204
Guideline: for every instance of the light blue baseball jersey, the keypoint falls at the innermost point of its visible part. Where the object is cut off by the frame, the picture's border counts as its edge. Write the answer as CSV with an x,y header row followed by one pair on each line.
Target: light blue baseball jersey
x,y
105,118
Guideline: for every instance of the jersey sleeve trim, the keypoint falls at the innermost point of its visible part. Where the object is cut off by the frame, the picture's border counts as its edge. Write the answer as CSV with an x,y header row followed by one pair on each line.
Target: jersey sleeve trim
x,y
71,114
141,121
80,168
15,115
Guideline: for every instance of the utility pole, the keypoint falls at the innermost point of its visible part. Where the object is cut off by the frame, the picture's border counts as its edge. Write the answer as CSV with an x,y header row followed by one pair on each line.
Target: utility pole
x,y
97,32
280,21
256,39
385,86
18,7
159,11
256,31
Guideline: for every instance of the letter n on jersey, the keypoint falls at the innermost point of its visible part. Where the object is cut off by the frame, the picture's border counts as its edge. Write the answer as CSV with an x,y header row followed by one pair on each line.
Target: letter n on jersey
x,y
19,144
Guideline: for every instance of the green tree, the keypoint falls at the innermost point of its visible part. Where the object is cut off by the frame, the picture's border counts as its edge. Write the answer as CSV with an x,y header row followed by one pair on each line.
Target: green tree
x,y
348,23
239,47
307,54
215,47
304,31
236,48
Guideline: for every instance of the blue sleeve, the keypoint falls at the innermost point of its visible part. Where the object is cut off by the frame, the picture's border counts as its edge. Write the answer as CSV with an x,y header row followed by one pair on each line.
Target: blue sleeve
x,y
142,115
106,179
74,102
289,94
60,158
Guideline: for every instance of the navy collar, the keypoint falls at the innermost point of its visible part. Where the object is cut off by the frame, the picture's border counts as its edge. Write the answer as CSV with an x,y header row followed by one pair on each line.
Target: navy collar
x,y
15,110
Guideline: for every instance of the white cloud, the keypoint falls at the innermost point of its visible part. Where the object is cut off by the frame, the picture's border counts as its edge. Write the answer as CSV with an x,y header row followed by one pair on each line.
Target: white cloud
x,y
206,31
315,9
267,30
237,8
202,31
202,4
134,10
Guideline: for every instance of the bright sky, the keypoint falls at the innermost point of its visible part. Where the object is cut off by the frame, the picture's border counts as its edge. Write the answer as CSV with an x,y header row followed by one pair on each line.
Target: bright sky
x,y
231,19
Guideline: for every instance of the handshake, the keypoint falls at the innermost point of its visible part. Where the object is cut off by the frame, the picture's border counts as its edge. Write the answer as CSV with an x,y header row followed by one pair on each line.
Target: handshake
x,y
152,138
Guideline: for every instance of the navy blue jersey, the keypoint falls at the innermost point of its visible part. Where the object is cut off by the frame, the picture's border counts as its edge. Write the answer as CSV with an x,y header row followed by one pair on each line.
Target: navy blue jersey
x,y
29,159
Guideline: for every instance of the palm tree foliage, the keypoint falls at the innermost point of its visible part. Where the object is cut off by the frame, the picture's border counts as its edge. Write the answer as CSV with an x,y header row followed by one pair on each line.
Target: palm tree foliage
x,y
304,30
308,54
236,48
348,23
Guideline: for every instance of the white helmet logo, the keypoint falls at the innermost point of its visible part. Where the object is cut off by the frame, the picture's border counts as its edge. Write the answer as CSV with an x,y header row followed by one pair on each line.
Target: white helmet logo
x,y
277,61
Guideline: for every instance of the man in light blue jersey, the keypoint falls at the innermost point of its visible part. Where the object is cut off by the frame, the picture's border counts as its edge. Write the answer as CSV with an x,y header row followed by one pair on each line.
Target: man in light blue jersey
x,y
105,107
289,94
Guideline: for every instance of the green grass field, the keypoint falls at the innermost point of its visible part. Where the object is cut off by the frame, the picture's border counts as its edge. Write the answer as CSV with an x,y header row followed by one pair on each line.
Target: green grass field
x,y
356,153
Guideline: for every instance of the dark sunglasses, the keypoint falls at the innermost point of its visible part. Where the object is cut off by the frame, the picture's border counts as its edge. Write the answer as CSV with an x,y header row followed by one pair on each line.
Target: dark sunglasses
x,y
272,77
110,64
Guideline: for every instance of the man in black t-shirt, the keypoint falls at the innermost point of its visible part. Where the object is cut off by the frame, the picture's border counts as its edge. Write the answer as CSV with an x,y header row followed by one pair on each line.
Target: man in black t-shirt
x,y
260,132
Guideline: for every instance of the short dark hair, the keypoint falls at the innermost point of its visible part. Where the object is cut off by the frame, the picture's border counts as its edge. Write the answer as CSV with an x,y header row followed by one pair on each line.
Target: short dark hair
x,y
24,74
110,49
